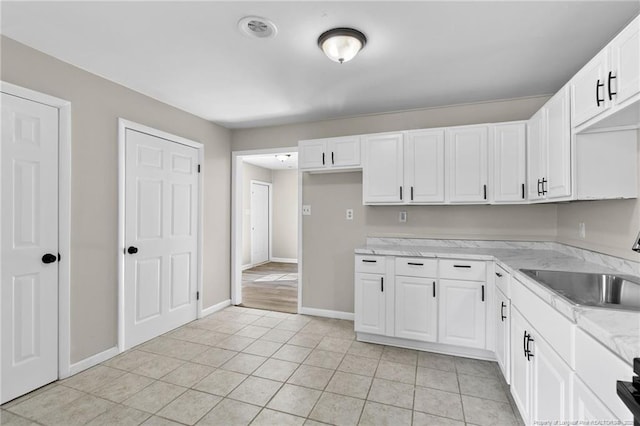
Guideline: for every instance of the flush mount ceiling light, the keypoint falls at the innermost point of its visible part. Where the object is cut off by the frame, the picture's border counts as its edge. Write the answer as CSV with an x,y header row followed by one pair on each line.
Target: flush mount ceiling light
x,y
283,157
341,44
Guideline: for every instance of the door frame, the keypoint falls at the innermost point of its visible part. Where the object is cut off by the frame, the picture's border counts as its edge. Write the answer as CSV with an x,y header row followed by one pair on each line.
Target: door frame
x,y
270,212
64,216
237,158
123,125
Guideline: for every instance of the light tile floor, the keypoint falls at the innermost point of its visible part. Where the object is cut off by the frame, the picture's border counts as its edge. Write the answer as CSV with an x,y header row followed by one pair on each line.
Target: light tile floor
x,y
244,366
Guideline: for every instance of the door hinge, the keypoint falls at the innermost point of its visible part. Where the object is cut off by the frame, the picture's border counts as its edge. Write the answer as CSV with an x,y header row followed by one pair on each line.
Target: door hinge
x,y
197,295
198,168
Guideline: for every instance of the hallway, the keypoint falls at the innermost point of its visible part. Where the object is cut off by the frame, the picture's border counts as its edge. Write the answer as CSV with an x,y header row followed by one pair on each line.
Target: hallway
x,y
272,286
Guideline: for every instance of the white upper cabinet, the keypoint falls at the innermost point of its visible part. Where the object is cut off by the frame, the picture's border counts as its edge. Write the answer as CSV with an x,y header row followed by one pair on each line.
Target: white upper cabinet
x,y
558,179
467,163
424,166
382,169
610,79
322,154
549,150
509,162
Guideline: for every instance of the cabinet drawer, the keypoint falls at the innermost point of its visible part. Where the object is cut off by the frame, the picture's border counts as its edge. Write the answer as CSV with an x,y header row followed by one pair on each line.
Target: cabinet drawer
x,y
416,267
599,369
468,270
503,279
371,264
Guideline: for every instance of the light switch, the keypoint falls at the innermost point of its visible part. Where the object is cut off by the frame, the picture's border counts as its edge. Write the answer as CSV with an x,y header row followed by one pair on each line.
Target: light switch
x,y
306,210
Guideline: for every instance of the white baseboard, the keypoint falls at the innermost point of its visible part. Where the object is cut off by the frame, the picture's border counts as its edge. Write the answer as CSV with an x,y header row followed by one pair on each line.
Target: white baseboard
x,y
215,308
91,361
284,260
245,267
327,313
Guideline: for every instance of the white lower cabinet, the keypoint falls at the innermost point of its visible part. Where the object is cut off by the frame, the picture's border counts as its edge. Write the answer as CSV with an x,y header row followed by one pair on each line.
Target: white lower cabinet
x,y
416,308
462,313
586,406
502,314
541,381
370,303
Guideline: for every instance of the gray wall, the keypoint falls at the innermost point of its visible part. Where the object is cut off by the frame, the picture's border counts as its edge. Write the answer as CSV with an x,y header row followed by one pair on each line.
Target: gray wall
x,y
249,173
96,104
285,214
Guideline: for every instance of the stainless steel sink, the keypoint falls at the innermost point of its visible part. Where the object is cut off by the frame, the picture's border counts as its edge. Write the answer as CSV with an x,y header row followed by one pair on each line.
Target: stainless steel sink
x,y
603,290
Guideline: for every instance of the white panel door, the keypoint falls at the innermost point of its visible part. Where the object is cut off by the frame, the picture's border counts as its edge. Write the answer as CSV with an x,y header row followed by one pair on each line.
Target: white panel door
x,y
552,383
558,179
416,308
503,349
509,162
462,314
161,234
424,166
521,367
29,232
588,90
468,158
311,154
536,154
343,152
370,304
587,407
382,169
259,223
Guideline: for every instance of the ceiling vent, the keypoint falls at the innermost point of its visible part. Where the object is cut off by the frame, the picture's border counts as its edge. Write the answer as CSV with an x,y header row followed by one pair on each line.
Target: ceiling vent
x,y
255,26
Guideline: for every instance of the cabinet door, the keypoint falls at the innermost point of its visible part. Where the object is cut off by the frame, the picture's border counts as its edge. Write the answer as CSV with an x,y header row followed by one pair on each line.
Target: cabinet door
x,y
343,152
382,178
625,63
370,301
588,90
551,395
536,154
521,368
467,150
424,166
503,318
416,308
509,162
462,313
311,154
587,407
558,146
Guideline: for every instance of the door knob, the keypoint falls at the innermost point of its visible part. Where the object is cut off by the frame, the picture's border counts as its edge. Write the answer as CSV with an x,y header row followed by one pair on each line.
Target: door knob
x,y
132,250
49,258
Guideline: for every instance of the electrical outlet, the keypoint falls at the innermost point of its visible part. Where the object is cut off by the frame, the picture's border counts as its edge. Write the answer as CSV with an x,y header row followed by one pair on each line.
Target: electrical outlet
x,y
306,210
582,230
402,217
349,214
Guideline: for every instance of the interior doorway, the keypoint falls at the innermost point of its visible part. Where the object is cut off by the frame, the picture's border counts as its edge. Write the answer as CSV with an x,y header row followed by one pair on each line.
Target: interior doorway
x,y
265,230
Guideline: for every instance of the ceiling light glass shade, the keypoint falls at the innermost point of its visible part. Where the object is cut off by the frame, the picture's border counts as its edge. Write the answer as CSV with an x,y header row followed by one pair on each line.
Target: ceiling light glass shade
x,y
283,157
341,44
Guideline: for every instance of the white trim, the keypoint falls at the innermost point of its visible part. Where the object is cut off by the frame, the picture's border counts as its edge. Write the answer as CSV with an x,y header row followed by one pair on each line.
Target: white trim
x,y
269,186
236,218
64,215
248,266
327,313
300,177
215,308
439,348
284,260
122,126
92,360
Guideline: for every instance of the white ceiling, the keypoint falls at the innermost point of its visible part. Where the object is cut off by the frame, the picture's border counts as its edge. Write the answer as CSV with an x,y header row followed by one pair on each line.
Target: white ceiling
x,y
269,161
419,54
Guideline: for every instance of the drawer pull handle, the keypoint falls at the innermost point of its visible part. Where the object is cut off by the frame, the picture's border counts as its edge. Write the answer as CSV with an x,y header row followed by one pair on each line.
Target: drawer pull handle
x,y
369,261
434,289
382,284
498,274
462,266
483,293
415,264
502,306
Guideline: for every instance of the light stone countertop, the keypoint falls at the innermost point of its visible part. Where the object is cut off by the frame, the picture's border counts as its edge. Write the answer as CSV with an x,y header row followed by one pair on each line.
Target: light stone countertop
x,y
616,329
